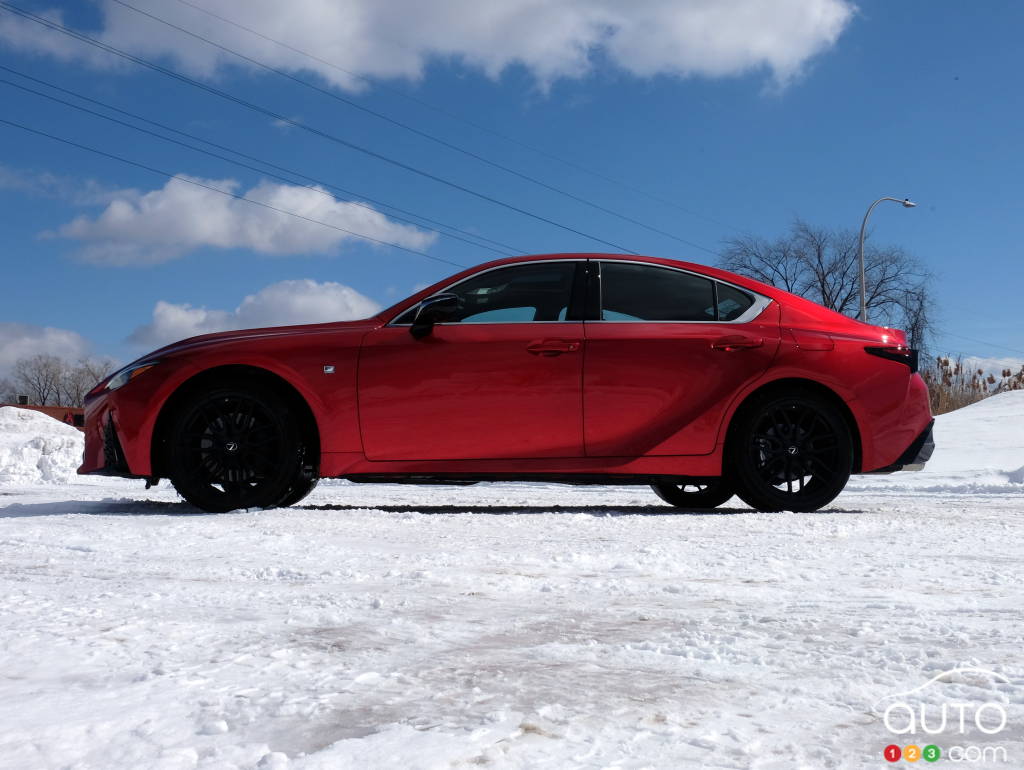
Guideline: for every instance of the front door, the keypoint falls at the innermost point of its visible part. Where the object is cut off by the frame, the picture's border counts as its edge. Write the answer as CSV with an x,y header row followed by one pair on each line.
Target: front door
x,y
498,379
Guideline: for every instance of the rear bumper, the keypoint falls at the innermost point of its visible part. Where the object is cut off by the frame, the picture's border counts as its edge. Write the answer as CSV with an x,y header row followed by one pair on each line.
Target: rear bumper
x,y
914,456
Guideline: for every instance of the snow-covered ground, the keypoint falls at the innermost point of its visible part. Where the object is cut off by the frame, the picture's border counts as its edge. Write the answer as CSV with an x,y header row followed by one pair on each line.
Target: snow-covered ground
x,y
527,626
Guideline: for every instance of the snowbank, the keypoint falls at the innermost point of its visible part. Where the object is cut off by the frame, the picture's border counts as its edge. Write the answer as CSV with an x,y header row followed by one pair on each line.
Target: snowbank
x,y
988,436
35,448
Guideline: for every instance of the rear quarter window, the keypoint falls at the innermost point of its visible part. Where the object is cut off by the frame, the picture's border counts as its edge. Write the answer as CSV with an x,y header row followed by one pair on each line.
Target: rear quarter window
x,y
732,303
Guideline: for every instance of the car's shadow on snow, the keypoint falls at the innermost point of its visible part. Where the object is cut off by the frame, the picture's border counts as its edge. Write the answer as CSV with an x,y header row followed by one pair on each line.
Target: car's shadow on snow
x,y
108,507
124,507
594,510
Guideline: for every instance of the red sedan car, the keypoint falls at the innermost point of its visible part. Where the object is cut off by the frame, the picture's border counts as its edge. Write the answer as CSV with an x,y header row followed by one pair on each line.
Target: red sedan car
x,y
574,368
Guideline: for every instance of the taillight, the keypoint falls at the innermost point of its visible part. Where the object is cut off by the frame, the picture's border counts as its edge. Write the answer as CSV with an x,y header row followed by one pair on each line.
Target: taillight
x,y
899,353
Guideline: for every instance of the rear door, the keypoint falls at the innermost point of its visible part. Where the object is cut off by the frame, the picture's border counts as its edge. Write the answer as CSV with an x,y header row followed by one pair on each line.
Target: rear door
x,y
500,380
662,364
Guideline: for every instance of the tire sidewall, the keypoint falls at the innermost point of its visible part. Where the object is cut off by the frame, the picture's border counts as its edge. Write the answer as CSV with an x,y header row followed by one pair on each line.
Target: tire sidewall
x,y
717,493
269,492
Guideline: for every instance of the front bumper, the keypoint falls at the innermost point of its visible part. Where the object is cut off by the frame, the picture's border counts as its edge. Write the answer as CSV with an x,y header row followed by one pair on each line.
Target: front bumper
x,y
114,461
104,454
113,444
916,455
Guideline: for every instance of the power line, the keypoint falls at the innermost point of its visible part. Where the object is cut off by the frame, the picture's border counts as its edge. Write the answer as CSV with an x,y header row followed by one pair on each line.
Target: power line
x,y
298,124
461,119
227,193
239,163
412,129
945,333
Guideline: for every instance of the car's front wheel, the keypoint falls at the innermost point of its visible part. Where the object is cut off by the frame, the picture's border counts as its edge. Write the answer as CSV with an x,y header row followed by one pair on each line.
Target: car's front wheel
x,y
789,452
236,446
699,495
298,491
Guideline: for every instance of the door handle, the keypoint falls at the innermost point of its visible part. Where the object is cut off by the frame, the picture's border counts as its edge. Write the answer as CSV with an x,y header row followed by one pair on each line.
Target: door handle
x,y
553,347
733,342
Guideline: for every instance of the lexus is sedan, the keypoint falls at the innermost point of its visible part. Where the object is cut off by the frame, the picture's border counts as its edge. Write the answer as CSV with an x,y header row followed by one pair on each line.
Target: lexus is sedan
x,y
569,368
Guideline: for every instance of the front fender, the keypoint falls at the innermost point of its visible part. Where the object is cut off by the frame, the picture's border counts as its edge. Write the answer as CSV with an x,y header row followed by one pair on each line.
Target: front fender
x,y
138,407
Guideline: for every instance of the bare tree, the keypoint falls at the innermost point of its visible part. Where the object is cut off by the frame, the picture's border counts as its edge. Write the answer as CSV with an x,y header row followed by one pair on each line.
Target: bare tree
x,y
79,378
822,265
8,393
917,318
49,380
772,262
39,377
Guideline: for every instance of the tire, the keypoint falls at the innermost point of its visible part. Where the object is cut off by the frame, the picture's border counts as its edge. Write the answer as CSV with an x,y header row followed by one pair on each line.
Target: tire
x,y
236,446
298,491
789,452
710,494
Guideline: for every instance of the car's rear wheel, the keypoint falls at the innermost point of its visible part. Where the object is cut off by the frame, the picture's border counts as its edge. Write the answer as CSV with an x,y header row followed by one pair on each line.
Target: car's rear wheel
x,y
707,494
237,446
789,452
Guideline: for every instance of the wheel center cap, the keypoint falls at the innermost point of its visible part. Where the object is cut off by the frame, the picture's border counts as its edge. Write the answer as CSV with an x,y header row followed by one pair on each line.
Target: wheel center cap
x,y
793,450
231,446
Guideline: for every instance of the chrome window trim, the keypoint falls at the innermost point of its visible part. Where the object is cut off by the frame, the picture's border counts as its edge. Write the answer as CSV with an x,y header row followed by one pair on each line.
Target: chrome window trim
x,y
760,301
495,323
451,286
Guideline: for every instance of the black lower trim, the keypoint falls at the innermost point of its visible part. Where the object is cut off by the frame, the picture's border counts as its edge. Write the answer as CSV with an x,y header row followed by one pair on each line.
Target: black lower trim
x,y
918,453
579,479
113,455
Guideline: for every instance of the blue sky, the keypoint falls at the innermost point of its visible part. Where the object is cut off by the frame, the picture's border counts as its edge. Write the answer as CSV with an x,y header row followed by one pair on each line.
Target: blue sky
x,y
915,99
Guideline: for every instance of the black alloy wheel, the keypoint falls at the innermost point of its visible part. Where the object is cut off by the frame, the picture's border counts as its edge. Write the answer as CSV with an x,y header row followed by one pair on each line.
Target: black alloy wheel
x,y
790,453
237,447
694,496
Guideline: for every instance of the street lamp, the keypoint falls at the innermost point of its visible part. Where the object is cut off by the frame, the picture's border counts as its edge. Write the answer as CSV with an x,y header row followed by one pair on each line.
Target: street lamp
x,y
907,204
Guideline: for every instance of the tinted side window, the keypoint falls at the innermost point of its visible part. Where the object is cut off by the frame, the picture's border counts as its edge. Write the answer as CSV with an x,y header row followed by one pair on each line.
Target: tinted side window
x,y
631,292
732,303
516,294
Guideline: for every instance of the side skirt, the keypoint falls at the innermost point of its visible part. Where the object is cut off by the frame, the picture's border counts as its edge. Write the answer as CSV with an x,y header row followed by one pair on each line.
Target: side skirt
x,y
578,479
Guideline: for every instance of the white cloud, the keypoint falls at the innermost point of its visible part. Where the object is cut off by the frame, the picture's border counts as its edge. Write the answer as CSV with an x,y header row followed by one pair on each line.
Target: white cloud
x,y
552,38
160,225
27,36
279,304
19,340
45,184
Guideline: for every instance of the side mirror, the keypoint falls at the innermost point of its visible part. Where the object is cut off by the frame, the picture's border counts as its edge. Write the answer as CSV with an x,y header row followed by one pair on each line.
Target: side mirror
x,y
431,311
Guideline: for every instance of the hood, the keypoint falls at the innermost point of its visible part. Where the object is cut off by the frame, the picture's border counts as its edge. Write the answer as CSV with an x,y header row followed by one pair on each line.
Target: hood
x,y
228,337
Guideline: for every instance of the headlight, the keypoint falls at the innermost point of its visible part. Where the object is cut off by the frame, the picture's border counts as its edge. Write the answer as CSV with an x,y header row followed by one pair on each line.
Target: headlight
x,y
128,374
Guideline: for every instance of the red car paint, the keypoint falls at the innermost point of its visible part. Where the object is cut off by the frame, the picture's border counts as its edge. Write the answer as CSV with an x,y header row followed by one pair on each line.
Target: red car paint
x,y
567,397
